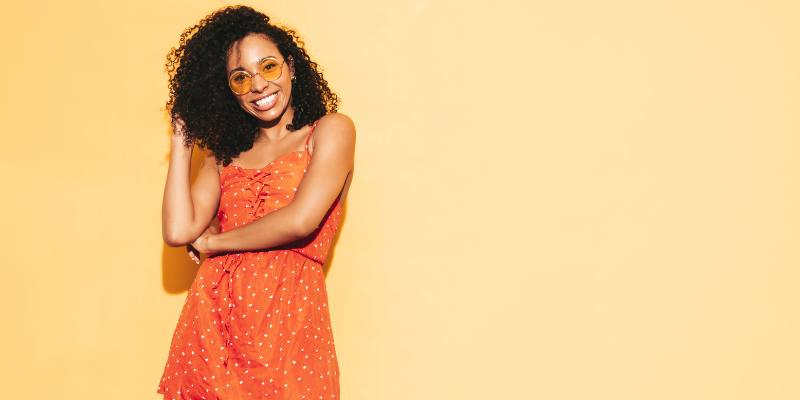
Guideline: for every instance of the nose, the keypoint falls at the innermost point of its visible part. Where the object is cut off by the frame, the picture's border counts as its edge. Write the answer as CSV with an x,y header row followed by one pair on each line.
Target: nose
x,y
258,83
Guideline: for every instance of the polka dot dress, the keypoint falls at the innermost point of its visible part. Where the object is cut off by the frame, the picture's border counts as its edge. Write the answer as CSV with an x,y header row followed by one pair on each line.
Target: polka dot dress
x,y
256,324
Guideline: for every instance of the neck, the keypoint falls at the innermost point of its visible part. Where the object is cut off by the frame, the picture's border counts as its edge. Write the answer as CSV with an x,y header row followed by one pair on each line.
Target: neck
x,y
275,130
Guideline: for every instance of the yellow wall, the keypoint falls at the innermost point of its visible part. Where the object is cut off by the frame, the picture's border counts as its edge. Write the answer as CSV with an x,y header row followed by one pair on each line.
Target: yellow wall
x,y
552,200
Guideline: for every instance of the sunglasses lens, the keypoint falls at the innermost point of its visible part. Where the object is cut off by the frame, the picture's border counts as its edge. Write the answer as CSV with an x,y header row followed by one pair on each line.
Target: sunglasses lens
x,y
239,83
270,69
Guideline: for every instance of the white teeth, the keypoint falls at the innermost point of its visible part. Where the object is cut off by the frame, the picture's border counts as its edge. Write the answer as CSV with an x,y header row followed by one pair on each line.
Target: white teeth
x,y
267,100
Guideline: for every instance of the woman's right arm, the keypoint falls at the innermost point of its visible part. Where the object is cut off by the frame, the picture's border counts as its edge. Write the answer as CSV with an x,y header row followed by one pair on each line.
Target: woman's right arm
x,y
187,211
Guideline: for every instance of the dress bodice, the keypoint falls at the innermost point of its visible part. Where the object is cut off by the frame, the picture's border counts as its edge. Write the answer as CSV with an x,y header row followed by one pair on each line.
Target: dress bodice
x,y
248,194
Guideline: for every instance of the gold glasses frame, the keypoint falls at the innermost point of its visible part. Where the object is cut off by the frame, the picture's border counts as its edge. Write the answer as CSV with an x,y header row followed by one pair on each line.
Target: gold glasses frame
x,y
248,83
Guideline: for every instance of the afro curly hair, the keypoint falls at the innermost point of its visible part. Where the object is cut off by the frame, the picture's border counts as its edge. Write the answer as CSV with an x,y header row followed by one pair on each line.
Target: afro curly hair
x,y
198,82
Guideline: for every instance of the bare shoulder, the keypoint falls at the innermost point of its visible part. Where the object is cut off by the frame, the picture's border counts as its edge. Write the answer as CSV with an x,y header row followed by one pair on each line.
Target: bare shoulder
x,y
335,132
338,125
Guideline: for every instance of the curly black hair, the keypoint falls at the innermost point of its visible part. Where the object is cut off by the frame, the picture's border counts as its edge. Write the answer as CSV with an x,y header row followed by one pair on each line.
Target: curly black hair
x,y
198,82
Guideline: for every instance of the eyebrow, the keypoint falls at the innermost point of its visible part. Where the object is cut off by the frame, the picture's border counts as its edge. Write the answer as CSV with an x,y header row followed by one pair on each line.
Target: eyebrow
x,y
259,62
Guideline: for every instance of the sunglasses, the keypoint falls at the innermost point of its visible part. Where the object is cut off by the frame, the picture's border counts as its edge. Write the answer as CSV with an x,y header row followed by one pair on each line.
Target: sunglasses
x,y
269,68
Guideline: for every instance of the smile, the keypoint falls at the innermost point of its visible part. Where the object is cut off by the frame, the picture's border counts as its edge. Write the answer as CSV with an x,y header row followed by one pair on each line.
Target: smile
x,y
266,102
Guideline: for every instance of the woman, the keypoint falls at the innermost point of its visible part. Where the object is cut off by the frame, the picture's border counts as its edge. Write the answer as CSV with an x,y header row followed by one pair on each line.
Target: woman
x,y
256,322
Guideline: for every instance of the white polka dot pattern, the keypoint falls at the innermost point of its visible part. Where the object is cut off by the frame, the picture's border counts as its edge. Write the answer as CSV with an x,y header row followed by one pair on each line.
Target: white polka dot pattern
x,y
256,324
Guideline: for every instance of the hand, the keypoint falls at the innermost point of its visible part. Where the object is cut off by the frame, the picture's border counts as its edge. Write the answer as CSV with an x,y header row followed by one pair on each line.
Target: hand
x,y
200,245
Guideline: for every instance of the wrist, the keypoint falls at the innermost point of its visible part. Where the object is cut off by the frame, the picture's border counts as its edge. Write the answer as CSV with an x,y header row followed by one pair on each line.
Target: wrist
x,y
178,142
212,243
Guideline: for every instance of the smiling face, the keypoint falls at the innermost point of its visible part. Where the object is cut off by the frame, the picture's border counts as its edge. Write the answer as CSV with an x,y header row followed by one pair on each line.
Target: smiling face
x,y
266,100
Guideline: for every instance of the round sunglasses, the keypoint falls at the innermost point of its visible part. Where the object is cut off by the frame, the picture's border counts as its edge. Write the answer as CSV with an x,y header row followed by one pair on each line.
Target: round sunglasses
x,y
269,68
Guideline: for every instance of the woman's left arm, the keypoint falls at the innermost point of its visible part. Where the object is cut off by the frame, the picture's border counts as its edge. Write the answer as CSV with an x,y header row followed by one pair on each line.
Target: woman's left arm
x,y
333,159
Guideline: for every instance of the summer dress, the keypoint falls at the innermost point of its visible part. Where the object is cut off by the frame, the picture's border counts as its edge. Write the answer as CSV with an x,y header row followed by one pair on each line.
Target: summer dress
x,y
256,324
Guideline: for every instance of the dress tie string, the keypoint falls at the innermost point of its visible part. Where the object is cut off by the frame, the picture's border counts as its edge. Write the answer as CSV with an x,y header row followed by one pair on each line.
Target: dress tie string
x,y
229,264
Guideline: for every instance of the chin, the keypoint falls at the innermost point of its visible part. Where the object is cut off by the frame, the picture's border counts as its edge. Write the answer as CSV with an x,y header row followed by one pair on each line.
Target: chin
x,y
268,115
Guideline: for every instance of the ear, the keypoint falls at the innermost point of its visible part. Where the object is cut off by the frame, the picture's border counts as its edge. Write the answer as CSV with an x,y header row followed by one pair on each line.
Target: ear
x,y
290,61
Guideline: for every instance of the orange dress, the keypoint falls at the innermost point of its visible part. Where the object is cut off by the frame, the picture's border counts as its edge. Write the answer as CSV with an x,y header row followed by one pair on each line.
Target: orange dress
x,y
256,324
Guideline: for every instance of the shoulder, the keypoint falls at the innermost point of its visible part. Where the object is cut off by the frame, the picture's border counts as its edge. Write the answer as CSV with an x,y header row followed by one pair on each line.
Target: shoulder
x,y
334,136
336,124
337,128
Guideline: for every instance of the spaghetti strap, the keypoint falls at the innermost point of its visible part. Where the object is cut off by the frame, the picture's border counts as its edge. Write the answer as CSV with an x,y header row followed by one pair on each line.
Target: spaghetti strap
x,y
308,138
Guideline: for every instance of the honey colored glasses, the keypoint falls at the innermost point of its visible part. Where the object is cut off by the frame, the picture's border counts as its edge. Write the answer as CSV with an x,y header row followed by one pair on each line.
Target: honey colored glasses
x,y
269,68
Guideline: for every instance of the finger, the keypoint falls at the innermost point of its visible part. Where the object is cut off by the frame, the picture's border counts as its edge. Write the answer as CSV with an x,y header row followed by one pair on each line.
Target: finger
x,y
191,251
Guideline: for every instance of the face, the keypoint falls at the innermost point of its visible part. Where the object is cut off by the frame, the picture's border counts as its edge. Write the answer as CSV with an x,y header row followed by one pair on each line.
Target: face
x,y
265,100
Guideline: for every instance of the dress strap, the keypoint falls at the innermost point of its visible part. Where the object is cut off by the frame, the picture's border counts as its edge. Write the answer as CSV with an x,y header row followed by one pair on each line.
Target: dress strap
x,y
308,138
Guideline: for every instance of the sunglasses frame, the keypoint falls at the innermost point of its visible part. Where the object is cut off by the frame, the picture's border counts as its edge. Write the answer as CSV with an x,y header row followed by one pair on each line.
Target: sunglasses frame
x,y
250,76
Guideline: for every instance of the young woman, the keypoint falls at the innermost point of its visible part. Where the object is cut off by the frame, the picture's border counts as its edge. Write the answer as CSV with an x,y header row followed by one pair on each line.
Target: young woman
x,y
256,322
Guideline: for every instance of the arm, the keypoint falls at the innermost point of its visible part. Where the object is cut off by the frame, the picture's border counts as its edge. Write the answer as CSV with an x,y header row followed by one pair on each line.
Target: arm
x,y
185,211
333,158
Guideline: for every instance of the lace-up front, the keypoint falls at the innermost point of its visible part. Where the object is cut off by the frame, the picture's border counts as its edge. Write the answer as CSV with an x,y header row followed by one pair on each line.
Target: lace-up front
x,y
256,324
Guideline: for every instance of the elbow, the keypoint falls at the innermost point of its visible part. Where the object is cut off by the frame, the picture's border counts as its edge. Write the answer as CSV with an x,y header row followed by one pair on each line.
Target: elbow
x,y
305,227
173,238
173,242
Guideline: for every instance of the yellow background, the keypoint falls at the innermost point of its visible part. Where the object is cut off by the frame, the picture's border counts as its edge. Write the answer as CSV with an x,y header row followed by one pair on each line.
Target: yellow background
x,y
552,200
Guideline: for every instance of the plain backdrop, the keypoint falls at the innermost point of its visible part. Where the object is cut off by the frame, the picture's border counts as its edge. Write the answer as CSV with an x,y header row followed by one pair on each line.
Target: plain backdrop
x,y
552,200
